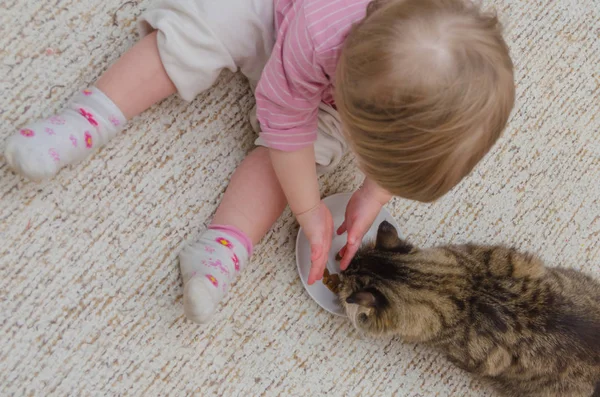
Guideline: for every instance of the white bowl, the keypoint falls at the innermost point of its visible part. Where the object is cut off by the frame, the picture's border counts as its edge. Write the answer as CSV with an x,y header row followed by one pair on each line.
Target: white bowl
x,y
318,291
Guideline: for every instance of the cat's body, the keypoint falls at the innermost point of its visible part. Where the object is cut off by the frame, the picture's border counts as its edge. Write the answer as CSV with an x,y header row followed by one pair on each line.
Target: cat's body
x,y
495,312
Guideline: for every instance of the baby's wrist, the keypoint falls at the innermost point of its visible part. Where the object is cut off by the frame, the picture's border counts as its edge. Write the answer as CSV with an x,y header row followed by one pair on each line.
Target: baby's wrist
x,y
306,211
304,204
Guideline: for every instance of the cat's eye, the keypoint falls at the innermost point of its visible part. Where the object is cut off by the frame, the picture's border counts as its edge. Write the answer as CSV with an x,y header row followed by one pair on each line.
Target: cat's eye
x,y
363,317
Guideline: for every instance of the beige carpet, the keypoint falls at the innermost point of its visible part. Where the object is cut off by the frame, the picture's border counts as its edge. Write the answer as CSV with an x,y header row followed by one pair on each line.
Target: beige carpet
x,y
89,280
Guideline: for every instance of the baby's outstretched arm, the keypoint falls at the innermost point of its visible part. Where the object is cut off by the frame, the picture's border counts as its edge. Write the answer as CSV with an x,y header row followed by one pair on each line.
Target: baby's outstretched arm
x,y
297,175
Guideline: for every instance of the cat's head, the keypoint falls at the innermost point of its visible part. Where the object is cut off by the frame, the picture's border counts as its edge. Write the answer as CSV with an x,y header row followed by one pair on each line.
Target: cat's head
x,y
391,287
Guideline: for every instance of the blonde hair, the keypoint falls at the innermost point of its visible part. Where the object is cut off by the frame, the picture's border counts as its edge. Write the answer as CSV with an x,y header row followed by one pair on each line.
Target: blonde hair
x,y
424,89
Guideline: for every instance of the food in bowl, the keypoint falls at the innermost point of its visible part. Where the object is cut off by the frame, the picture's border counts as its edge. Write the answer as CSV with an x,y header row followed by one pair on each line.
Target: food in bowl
x,y
331,281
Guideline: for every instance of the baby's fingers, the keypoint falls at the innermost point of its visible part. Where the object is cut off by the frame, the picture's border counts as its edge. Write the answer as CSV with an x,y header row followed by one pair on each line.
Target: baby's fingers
x,y
315,251
318,264
341,254
349,251
342,229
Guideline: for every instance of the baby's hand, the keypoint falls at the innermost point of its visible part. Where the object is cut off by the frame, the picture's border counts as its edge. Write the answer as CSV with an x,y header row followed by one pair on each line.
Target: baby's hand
x,y
363,208
317,225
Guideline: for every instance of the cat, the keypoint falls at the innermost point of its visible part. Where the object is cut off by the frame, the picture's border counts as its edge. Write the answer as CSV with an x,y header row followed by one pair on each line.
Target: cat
x,y
493,311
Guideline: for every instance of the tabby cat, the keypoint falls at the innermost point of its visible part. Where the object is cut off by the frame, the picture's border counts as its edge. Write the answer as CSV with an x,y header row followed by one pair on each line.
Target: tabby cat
x,y
495,312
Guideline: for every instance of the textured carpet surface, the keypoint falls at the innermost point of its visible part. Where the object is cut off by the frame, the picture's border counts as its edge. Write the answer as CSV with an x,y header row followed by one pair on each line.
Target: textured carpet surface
x,y
89,281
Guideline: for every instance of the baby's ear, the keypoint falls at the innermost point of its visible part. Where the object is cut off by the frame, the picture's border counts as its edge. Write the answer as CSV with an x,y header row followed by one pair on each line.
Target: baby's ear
x,y
388,240
368,298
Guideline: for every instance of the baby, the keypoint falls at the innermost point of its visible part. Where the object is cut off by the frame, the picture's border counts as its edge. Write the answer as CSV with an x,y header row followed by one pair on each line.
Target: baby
x,y
418,90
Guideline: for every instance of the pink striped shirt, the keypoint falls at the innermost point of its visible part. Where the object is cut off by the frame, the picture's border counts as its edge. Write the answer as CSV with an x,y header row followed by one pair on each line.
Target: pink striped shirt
x,y
299,75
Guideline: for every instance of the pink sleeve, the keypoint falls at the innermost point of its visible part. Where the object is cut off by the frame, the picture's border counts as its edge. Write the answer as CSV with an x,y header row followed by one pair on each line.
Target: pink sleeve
x,y
290,89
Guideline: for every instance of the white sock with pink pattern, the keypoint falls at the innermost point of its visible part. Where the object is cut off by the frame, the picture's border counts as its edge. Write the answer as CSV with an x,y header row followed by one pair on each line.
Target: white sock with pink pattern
x,y
39,150
209,267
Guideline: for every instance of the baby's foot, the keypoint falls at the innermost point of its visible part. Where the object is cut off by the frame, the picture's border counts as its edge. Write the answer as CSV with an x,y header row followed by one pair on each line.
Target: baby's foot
x,y
39,150
208,268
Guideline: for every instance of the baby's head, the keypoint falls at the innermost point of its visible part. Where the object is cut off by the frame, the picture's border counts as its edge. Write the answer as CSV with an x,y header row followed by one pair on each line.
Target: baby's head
x,y
424,89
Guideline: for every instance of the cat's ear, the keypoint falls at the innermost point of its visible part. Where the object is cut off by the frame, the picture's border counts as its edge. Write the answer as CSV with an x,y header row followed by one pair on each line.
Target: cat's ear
x,y
362,298
388,240
368,297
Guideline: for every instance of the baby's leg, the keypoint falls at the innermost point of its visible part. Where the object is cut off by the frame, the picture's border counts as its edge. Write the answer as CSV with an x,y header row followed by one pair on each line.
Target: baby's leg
x,y
252,203
135,82
138,79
